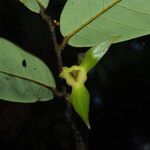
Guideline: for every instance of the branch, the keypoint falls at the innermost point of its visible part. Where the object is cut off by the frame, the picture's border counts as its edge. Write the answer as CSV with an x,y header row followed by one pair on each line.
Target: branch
x,y
48,20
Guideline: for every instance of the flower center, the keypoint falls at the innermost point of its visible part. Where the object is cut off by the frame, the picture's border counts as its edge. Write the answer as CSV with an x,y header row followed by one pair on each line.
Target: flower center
x,y
75,74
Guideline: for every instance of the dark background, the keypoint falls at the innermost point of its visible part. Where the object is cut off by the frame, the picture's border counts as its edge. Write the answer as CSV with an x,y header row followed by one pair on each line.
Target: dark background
x,y
119,87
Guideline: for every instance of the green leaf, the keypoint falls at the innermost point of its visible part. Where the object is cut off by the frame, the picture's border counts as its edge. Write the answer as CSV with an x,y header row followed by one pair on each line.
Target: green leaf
x,y
33,4
128,19
23,77
94,54
80,101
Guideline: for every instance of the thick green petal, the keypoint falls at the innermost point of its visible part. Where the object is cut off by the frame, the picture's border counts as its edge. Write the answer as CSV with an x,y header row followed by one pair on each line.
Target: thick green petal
x,y
80,101
94,54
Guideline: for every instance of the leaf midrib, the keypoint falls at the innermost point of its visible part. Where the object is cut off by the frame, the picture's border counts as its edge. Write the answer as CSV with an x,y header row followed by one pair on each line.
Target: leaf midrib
x,y
28,79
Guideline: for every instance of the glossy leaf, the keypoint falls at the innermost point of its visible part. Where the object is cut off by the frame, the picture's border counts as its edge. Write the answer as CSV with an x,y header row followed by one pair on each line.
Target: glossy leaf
x,y
23,77
33,4
128,19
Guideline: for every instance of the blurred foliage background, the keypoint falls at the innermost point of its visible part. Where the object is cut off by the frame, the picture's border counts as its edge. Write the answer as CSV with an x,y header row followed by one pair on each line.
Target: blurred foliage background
x,y
119,86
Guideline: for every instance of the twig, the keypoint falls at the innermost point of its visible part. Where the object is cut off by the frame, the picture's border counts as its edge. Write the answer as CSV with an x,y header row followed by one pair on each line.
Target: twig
x,y
48,20
64,43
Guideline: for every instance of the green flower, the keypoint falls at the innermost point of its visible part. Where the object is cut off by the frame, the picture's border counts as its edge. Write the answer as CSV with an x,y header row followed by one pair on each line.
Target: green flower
x,y
76,76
